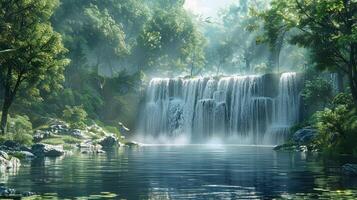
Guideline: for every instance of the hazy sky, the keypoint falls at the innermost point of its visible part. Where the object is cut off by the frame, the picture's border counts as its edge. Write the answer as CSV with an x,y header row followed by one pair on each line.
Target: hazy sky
x,y
207,8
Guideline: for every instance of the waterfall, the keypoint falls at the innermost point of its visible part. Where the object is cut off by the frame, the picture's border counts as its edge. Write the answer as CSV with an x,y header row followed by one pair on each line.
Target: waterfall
x,y
255,109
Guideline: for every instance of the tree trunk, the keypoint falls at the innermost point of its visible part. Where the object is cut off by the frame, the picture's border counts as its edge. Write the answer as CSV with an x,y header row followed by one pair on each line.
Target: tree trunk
x,y
4,114
340,84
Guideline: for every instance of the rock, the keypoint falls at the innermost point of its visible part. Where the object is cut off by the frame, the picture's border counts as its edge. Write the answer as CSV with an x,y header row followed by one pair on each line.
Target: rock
x,y
4,155
41,150
349,169
284,147
304,135
132,144
109,141
40,135
14,163
100,151
123,129
5,192
25,154
11,163
76,133
11,144
88,147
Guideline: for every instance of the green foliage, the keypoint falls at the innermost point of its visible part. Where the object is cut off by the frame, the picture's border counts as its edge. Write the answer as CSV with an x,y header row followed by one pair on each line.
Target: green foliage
x,y
327,28
76,116
171,41
317,92
36,65
337,129
19,129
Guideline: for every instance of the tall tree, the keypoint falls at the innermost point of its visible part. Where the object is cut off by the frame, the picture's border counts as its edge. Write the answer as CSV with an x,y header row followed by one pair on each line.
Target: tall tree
x,y
37,61
327,28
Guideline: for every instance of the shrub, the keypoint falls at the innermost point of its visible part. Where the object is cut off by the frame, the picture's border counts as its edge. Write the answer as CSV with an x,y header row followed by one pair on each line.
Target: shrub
x,y
337,129
19,129
75,116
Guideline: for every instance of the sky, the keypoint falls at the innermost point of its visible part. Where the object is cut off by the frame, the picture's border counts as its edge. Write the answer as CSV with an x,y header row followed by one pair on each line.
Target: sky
x,y
207,8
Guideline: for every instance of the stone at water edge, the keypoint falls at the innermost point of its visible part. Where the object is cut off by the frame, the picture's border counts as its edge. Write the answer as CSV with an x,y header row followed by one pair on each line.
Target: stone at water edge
x,y
132,144
4,155
88,147
10,163
349,169
41,150
304,135
109,141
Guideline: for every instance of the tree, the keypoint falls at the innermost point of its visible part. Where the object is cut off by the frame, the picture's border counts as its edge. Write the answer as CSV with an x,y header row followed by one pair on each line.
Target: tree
x,y
170,40
38,60
327,28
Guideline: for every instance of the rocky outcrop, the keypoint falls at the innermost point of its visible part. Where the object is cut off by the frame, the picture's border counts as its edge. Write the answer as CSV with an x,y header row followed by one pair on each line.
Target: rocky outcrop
x,y
301,141
109,142
349,169
304,135
42,150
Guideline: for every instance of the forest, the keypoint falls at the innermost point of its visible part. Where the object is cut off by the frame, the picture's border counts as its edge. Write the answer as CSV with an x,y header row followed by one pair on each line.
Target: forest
x,y
87,64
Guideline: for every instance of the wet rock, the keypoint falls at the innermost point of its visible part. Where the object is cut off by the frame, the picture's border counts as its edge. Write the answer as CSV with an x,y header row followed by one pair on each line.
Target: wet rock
x,y
88,147
4,155
109,141
304,135
349,169
10,163
11,144
5,192
42,150
132,144
285,147
24,155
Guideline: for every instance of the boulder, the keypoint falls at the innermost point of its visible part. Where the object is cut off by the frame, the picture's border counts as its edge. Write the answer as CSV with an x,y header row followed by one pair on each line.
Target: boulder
x,y
304,135
42,150
109,141
349,169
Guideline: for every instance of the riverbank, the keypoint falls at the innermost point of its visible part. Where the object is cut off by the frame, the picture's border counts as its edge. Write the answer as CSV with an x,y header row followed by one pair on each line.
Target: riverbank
x,y
54,139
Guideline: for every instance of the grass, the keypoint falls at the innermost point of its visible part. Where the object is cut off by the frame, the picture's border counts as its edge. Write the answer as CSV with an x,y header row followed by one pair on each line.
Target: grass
x,y
61,140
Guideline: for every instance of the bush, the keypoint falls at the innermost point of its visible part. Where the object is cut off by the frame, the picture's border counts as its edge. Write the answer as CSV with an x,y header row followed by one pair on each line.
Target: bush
x,y
75,116
19,129
337,129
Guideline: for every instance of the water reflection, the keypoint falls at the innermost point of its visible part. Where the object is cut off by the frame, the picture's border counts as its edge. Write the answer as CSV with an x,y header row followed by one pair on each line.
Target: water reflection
x,y
182,172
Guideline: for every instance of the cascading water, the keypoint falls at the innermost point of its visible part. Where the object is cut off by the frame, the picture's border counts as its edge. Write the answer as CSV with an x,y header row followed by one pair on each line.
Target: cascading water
x,y
240,109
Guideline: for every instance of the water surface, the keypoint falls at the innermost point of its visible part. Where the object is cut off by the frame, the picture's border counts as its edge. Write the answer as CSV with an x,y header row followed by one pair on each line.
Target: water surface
x,y
183,172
